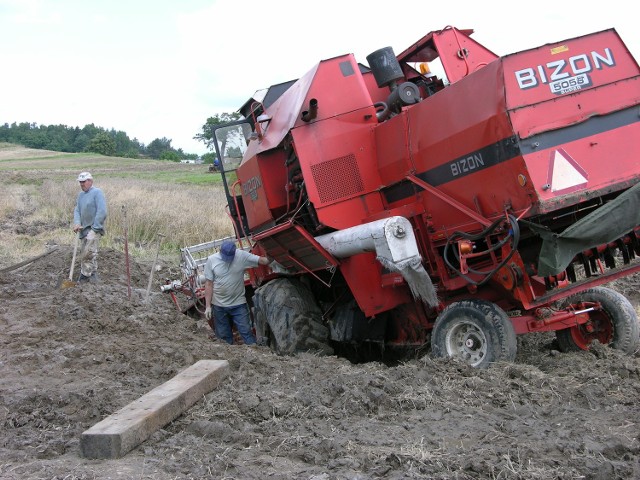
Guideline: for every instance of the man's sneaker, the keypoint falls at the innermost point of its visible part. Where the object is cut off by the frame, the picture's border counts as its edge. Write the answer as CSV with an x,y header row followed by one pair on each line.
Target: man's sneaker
x,y
93,278
83,278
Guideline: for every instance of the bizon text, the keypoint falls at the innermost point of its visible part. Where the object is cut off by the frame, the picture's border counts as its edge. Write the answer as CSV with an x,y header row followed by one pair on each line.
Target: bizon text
x,y
565,75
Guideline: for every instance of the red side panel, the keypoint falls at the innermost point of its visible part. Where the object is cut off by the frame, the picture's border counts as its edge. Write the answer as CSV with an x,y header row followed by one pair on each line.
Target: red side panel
x,y
373,295
571,172
337,150
574,106
571,66
337,157
264,180
563,111
456,141
392,146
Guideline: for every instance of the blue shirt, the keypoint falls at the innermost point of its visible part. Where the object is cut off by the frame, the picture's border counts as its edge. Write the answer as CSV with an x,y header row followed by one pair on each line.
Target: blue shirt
x,y
90,211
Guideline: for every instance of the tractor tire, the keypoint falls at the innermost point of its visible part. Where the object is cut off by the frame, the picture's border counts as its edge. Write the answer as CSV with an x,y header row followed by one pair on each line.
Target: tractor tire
x,y
477,332
615,325
288,320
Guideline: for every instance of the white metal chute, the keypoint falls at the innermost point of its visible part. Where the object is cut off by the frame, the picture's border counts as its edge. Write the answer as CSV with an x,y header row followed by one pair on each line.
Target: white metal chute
x,y
393,241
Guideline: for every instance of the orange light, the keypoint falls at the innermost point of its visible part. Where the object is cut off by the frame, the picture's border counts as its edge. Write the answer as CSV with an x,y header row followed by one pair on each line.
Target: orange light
x,y
424,68
465,247
522,180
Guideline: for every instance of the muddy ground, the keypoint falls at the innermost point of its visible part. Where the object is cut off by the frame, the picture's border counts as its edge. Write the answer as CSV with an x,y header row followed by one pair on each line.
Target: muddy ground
x,y
70,357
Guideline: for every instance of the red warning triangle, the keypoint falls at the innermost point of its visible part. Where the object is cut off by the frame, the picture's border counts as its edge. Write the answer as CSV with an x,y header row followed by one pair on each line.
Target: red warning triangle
x,y
565,174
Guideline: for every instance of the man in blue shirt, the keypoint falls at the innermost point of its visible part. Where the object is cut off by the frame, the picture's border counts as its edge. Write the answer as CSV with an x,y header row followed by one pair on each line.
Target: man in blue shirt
x,y
224,287
89,216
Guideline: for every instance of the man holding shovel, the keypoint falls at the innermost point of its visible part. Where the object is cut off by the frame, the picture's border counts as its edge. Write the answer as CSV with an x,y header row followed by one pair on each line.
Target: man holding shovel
x,y
89,216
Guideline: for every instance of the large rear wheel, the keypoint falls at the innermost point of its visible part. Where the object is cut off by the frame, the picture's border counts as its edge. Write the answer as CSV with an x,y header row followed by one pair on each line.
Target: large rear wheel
x,y
477,332
614,324
287,318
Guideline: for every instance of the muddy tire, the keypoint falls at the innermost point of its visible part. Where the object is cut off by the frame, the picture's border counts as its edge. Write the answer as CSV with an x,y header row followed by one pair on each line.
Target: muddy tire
x,y
615,325
477,332
288,320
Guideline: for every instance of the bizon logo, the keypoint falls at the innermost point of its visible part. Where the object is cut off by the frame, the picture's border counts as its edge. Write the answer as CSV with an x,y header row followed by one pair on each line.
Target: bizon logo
x,y
250,188
565,75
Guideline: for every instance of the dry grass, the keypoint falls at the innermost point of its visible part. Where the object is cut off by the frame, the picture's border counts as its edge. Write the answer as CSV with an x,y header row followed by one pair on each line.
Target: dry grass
x,y
11,199
36,204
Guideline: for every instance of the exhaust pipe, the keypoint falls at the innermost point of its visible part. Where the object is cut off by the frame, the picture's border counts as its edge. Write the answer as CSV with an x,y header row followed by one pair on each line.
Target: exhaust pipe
x,y
312,113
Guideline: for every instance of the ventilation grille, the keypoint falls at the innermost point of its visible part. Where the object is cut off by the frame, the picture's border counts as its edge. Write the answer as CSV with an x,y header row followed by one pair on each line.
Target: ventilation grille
x,y
337,178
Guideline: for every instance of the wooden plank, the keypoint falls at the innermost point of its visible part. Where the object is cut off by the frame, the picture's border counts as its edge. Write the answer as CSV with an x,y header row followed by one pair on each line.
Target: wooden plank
x,y
124,430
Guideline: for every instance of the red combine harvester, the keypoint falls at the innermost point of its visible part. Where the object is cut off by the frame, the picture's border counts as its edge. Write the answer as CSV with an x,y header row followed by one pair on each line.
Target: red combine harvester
x,y
464,208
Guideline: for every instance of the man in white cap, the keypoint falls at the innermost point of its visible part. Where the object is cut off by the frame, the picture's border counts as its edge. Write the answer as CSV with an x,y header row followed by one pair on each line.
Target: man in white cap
x,y
224,287
89,216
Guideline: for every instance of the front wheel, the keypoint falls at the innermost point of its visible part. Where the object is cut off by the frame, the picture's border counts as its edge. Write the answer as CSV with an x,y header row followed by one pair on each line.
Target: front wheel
x,y
615,323
287,318
477,332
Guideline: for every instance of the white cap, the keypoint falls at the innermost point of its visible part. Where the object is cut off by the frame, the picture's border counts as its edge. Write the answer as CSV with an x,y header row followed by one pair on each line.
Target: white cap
x,y
84,176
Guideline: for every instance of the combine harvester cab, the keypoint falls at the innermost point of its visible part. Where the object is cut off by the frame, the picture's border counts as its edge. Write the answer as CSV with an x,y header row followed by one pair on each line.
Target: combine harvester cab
x,y
461,209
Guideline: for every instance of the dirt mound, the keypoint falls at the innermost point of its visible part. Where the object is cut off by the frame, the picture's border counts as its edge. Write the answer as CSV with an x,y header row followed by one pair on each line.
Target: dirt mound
x,y
71,357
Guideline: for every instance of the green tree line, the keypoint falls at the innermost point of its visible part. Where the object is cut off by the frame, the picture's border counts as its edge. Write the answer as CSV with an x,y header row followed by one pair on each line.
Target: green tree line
x,y
90,138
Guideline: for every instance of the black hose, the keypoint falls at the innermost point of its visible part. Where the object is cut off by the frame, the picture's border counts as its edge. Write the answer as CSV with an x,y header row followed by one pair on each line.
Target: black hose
x,y
514,233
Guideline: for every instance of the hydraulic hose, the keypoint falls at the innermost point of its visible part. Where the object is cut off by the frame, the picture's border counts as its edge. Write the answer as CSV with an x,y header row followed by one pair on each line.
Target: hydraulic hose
x,y
514,233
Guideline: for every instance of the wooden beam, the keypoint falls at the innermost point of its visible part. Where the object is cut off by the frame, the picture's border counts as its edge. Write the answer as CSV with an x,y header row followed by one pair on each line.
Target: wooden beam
x,y
124,430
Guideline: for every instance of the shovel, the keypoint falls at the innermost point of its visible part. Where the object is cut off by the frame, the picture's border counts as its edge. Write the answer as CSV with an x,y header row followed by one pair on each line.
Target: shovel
x,y
69,282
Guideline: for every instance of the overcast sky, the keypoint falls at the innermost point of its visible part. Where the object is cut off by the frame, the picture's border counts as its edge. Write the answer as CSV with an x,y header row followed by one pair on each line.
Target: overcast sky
x,y
160,68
